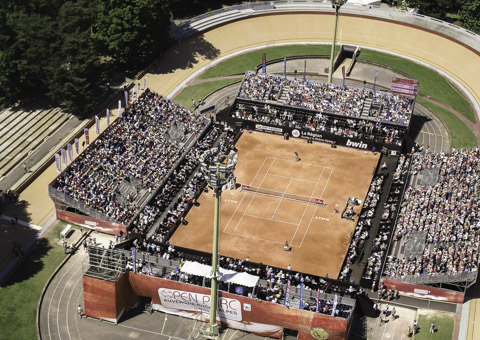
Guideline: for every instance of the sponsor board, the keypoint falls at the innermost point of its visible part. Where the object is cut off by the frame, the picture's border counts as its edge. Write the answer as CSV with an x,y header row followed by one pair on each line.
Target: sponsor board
x,y
272,129
229,309
357,145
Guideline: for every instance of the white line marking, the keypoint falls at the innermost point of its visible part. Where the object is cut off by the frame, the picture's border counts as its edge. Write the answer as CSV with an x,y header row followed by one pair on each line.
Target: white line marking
x,y
270,219
232,335
164,321
68,305
306,207
309,164
238,206
259,238
328,179
280,201
253,196
147,331
53,295
315,211
26,224
260,168
296,179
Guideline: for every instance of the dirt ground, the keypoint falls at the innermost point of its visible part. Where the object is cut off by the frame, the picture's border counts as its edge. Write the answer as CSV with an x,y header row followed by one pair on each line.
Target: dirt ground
x,y
257,226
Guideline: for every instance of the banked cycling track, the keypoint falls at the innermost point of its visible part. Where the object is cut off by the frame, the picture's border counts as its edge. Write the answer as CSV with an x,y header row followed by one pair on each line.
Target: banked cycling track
x,y
453,52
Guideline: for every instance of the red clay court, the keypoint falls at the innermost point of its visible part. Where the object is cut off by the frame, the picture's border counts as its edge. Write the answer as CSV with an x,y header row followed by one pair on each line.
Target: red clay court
x,y
257,226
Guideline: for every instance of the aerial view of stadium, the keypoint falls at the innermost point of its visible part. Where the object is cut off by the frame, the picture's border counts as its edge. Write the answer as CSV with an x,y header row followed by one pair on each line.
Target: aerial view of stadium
x,y
247,177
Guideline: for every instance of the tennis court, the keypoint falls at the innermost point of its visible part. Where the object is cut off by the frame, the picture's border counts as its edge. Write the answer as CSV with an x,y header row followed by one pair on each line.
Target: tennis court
x,y
280,199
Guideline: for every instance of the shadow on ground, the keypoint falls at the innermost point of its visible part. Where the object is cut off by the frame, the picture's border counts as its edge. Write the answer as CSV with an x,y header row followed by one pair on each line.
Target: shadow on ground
x,y
14,235
185,55
418,121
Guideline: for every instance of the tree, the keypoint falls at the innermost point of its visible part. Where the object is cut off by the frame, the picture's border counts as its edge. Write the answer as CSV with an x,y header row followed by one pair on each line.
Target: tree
x,y
470,15
75,67
132,32
435,8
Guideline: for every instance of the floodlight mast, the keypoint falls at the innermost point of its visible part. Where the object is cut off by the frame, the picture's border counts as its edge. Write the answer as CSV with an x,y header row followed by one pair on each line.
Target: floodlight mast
x,y
335,4
216,180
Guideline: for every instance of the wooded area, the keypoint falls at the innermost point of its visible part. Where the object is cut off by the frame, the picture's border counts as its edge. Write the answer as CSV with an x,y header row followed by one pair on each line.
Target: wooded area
x,y
72,53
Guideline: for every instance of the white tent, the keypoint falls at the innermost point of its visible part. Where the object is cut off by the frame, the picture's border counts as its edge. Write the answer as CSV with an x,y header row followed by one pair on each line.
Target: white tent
x,y
229,276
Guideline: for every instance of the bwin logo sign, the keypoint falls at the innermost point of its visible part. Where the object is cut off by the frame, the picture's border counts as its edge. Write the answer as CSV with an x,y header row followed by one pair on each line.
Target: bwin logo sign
x,y
358,145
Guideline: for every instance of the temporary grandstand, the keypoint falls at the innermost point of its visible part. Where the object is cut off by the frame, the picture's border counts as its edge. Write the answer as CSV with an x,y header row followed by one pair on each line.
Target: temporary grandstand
x,y
107,187
335,114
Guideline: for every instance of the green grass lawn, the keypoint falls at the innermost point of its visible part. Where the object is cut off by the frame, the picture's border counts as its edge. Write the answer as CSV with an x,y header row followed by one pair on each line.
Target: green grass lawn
x,y
20,296
461,135
444,323
201,91
248,61
431,83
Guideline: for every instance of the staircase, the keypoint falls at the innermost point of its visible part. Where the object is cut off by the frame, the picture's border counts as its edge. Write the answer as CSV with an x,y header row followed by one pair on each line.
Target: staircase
x,y
366,107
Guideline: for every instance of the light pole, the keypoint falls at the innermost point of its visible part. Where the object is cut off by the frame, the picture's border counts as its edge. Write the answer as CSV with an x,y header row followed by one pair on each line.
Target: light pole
x,y
335,4
218,175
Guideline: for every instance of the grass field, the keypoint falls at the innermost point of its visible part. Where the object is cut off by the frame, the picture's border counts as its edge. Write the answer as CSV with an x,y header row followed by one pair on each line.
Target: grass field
x,y
461,135
248,61
20,296
444,323
201,91
431,83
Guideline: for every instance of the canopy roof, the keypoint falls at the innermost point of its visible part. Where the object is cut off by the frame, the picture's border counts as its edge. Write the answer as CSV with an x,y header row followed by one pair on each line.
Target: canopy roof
x,y
244,279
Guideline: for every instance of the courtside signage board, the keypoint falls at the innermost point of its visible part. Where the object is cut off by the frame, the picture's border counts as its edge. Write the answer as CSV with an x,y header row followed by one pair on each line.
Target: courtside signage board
x,y
177,300
408,87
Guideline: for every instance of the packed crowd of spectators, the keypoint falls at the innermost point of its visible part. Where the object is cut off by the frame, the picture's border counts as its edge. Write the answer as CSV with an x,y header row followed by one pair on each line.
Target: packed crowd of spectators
x,y
180,189
385,230
361,233
273,290
395,108
134,146
318,122
447,212
328,98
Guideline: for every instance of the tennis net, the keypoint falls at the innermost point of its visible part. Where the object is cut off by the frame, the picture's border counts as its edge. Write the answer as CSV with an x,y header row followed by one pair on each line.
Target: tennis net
x,y
273,193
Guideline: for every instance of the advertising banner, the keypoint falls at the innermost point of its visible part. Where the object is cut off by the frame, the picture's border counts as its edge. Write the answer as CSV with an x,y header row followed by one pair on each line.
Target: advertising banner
x,y
267,128
108,116
324,137
70,151
87,136
301,304
64,157
264,63
120,108
284,67
343,74
57,162
287,294
97,125
179,300
77,146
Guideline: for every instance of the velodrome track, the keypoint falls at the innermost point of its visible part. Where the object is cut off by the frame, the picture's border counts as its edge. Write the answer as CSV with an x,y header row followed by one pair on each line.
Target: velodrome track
x,y
180,64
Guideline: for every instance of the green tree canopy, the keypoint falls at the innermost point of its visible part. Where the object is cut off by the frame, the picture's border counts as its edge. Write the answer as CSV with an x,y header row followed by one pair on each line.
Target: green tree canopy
x,y
132,32
470,15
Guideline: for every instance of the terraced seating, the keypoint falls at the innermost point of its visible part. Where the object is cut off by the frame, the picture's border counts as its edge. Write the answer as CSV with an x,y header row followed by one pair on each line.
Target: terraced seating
x,y
23,131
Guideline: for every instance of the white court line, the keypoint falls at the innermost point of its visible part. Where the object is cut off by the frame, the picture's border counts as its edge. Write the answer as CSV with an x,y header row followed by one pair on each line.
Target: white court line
x,y
260,168
253,180
238,206
315,211
280,201
259,238
326,184
306,206
296,179
253,196
310,164
270,219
